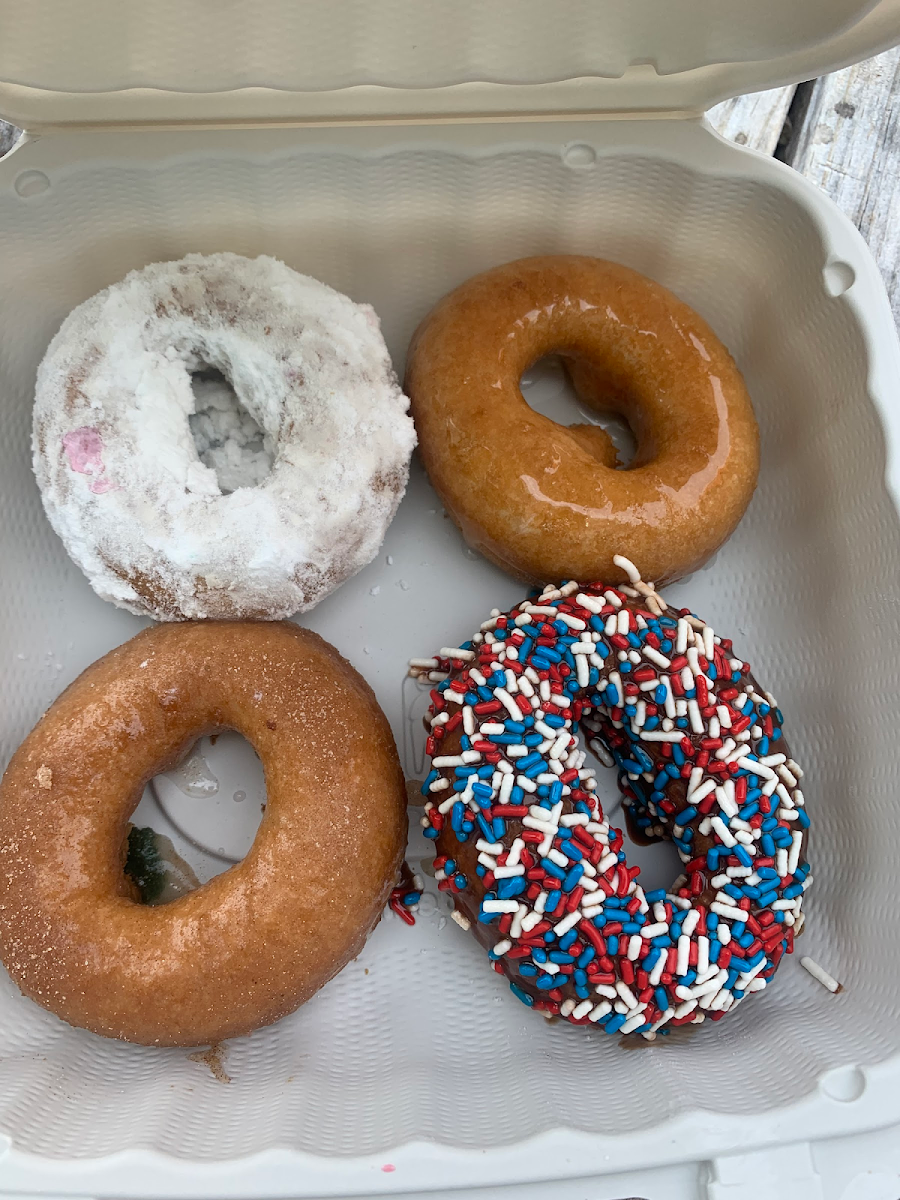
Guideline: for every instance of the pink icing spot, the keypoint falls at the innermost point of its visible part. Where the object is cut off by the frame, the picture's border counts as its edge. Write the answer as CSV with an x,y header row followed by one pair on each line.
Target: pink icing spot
x,y
388,1167
84,450
105,484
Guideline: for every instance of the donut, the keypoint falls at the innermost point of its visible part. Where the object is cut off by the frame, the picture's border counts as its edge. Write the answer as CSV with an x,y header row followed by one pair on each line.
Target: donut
x,y
118,467
546,501
253,943
533,866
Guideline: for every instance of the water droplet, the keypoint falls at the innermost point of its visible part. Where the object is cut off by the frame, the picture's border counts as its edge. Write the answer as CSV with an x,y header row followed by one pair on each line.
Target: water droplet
x,y
239,797
193,777
374,591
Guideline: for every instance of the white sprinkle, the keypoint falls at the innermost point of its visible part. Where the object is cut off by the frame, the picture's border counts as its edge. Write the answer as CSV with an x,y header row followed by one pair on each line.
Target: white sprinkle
x,y
683,1009
502,947
633,1022
694,716
601,1010
500,906
654,735
489,847
581,1010
425,663
756,768
592,603
794,856
568,922
572,622
726,803
535,916
626,565
820,974
508,703
634,946
456,652
729,911
655,930
582,671
507,872
626,993
462,921
684,947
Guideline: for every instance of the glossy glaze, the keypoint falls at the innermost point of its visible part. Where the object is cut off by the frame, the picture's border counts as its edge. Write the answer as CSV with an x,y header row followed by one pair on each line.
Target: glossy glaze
x,y
545,501
253,943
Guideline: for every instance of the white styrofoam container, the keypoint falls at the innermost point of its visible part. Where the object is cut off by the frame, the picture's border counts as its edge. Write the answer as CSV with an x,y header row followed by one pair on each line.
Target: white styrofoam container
x,y
414,1069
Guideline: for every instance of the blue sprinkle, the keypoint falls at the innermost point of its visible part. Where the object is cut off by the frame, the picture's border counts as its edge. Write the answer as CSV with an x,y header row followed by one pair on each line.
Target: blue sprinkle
x,y
558,956
545,982
615,1023
431,834
661,996
498,829
552,869
791,892
485,828
507,889
654,897
456,816
802,818
520,995
571,880
767,842
567,939
429,780
743,854
612,944
587,955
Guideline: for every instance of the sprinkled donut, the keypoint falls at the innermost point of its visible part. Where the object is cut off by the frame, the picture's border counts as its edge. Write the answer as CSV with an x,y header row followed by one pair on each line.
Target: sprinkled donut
x,y
118,468
545,501
535,869
253,943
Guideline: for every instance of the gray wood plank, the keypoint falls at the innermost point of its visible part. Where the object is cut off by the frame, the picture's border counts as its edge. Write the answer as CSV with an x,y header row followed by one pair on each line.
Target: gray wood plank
x,y
8,135
755,120
849,145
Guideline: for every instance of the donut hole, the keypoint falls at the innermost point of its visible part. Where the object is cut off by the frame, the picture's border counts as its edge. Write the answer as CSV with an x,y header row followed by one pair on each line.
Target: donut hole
x,y
196,819
227,438
547,389
657,858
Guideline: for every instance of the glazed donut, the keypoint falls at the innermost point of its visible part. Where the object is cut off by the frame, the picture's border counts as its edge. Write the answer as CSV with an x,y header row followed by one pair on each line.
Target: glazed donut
x,y
252,944
118,468
545,501
532,864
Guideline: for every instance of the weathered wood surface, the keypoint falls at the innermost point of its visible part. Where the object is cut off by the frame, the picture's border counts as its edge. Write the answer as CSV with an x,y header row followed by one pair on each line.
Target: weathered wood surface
x,y
756,120
8,135
849,145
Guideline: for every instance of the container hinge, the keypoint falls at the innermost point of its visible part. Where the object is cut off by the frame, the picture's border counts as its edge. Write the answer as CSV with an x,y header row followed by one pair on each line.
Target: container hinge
x,y
779,1173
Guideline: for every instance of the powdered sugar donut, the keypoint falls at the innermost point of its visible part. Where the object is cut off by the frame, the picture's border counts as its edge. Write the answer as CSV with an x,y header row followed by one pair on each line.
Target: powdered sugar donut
x,y
123,485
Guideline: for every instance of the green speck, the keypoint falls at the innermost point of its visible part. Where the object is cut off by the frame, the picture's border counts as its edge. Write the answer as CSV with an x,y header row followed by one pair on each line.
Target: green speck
x,y
143,864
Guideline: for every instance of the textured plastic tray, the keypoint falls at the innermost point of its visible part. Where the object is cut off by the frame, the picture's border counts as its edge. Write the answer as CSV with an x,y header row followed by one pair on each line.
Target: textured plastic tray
x,y
416,1057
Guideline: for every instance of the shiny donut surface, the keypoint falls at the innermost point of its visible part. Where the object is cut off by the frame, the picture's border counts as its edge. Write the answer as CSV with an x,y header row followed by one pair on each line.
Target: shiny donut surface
x,y
253,943
545,501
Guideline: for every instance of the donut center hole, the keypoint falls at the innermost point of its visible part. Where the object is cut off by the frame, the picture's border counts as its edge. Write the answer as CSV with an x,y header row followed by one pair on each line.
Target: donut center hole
x,y
227,438
197,819
547,389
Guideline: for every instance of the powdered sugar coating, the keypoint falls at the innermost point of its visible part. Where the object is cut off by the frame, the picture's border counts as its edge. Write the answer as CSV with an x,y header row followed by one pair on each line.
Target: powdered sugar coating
x,y
118,469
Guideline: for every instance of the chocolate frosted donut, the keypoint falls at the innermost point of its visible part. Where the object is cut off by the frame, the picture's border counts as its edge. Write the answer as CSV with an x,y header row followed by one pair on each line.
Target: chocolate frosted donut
x,y
119,471
534,867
